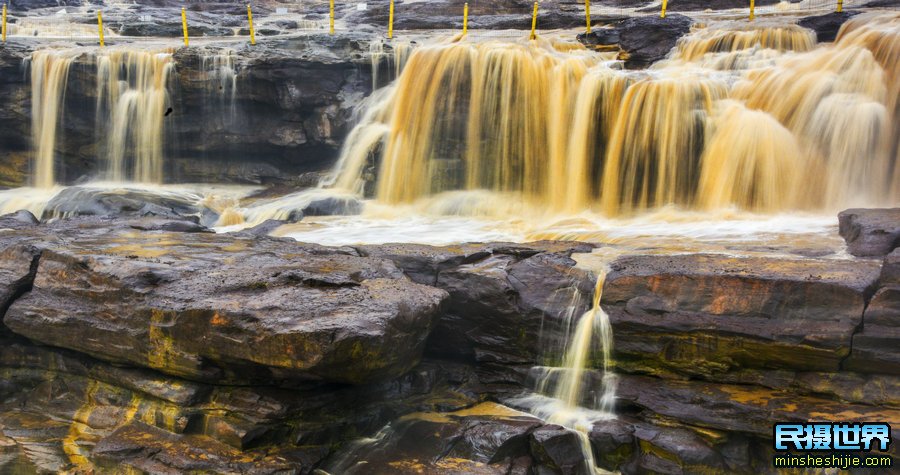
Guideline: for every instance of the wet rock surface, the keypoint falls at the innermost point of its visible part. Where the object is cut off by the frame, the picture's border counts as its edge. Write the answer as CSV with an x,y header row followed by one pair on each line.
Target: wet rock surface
x,y
642,40
708,314
827,26
298,313
141,343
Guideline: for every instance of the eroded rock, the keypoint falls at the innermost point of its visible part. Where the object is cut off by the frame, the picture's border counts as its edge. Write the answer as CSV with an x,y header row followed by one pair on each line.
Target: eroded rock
x,y
268,310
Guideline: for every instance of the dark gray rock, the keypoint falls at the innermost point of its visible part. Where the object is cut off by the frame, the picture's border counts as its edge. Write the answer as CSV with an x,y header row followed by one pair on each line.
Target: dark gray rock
x,y
612,442
121,202
643,40
827,26
870,232
558,450
333,206
18,220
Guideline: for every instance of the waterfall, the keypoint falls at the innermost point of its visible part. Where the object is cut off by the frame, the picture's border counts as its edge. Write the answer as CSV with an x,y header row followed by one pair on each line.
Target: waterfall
x,y
569,394
49,75
132,102
737,115
221,77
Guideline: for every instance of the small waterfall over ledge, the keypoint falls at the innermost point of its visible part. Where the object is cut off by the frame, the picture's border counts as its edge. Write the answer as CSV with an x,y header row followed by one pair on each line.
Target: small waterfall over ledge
x,y
132,100
49,77
580,390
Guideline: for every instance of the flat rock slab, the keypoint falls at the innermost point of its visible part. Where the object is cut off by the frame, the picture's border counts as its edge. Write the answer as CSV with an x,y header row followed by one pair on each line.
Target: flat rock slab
x,y
215,308
705,314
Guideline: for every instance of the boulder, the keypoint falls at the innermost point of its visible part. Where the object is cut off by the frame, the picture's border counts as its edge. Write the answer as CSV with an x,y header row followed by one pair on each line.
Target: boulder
x,y
119,202
827,26
557,450
870,232
612,443
704,315
18,220
269,310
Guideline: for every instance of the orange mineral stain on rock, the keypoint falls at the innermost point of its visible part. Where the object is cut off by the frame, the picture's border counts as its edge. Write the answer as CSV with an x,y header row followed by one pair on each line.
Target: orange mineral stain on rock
x,y
218,319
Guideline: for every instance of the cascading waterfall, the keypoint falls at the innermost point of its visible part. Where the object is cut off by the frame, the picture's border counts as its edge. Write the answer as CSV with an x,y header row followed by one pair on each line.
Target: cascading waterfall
x,y
132,100
737,117
49,76
570,394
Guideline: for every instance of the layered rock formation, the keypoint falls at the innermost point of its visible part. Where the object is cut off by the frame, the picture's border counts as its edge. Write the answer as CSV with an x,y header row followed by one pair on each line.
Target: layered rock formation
x,y
152,344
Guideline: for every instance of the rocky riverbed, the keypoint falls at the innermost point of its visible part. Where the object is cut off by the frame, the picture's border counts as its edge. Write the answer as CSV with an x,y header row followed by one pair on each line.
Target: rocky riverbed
x,y
152,343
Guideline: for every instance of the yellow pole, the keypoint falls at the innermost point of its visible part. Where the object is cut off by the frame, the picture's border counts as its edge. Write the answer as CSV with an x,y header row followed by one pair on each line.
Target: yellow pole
x,y
587,14
466,18
534,21
752,8
840,7
4,23
391,21
662,13
252,31
100,26
184,25
331,15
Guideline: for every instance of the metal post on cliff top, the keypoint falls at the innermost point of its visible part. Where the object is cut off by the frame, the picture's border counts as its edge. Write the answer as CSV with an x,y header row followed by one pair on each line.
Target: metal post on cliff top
x,y
250,19
534,21
4,23
184,25
840,6
752,9
331,16
391,21
662,13
587,15
100,26
465,19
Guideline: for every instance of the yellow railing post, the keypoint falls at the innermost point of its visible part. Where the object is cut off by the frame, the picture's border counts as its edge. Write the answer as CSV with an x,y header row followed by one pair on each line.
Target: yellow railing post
x,y
534,21
184,25
391,21
4,23
250,19
662,13
331,16
587,14
840,7
752,10
100,26
466,18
